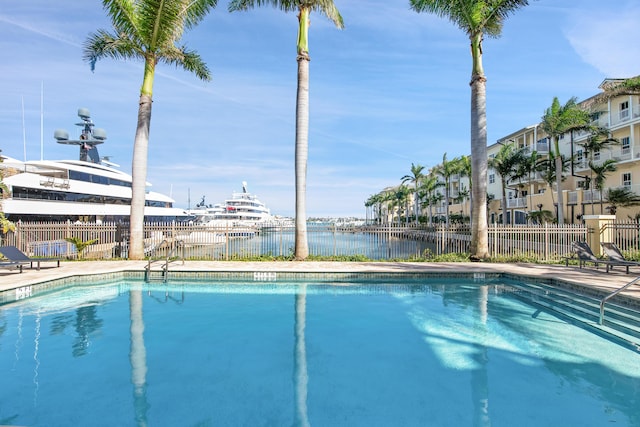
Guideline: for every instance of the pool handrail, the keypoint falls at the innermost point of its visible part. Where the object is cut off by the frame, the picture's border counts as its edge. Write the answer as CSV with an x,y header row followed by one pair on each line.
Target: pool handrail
x,y
611,295
177,244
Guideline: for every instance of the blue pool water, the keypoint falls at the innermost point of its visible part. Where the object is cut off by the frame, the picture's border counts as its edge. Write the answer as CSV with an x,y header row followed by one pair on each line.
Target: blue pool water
x,y
428,352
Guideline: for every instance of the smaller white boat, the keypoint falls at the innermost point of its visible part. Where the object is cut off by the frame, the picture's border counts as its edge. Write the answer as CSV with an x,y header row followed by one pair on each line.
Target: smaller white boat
x,y
243,209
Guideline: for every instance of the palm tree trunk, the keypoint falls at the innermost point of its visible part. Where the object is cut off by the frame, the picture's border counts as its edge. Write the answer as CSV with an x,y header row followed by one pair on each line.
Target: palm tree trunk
x,y
301,156
479,248
139,178
559,189
504,202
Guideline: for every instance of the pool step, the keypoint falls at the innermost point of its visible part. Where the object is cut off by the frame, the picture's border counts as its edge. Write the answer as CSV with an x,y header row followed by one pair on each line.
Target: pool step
x,y
620,322
160,275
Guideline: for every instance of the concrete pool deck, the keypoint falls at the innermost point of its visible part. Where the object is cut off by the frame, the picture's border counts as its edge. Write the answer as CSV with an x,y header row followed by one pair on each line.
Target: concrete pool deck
x,y
588,276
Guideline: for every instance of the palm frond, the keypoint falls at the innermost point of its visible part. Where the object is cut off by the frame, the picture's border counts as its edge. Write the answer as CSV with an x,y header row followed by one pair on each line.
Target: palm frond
x,y
102,44
188,60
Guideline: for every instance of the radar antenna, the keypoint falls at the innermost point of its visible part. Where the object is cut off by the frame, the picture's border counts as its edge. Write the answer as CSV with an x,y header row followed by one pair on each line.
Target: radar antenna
x,y
89,137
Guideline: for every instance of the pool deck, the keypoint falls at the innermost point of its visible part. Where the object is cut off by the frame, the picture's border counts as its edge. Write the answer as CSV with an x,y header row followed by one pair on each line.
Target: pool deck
x,y
588,276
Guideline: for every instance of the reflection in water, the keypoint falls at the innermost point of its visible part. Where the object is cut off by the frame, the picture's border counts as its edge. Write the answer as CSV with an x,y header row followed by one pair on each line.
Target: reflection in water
x,y
138,358
300,378
36,358
18,344
479,376
85,323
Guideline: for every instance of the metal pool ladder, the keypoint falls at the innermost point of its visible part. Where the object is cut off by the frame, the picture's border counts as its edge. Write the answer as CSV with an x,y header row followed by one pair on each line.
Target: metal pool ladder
x,y
611,295
171,256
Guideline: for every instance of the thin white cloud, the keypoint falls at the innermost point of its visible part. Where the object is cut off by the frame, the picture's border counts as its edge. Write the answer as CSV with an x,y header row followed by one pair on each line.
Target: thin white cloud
x,y
607,38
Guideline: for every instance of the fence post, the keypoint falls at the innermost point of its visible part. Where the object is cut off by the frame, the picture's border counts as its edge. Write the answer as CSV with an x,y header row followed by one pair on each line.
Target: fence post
x,y
546,241
597,231
495,239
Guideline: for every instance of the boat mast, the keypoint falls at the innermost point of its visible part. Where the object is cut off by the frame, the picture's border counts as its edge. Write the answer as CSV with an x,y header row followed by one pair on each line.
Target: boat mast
x,y
89,137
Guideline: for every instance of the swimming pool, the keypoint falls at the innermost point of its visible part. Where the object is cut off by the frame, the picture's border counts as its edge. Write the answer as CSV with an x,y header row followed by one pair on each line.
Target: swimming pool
x,y
374,352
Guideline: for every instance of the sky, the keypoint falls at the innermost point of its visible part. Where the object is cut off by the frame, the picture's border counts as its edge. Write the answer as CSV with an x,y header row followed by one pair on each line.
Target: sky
x,y
389,90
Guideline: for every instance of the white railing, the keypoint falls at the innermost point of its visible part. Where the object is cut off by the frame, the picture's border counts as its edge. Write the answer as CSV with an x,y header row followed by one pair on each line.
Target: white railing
x,y
383,242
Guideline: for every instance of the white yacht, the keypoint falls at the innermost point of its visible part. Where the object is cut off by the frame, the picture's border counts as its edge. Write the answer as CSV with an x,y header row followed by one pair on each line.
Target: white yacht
x,y
90,189
242,209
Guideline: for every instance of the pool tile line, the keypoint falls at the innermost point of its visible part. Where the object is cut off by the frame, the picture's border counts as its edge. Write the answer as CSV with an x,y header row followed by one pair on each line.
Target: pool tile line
x,y
275,276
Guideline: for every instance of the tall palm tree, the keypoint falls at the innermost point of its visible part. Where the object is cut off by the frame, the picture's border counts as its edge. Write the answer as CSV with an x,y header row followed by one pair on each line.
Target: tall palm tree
x,y
506,163
557,120
414,178
304,9
476,18
147,30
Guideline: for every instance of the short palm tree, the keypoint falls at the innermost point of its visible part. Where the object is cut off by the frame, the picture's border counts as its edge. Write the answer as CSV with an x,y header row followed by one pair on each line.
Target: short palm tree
x,y
428,186
477,18
547,168
5,224
147,30
414,178
528,167
621,196
598,140
446,170
464,167
304,9
506,163
601,171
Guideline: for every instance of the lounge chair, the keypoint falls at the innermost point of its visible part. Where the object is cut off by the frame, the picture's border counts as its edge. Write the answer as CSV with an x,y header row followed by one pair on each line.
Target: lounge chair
x,y
15,255
586,255
11,264
613,253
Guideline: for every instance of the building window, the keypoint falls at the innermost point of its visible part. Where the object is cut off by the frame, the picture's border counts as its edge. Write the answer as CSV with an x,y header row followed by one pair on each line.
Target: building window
x,y
492,178
596,154
624,110
626,179
626,145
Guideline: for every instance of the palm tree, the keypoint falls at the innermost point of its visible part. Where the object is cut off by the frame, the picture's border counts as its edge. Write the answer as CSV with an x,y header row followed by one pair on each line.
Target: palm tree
x,y
464,167
147,30
622,196
528,167
476,18
414,178
558,120
428,186
5,224
547,167
401,201
506,164
601,172
304,8
446,170
596,142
